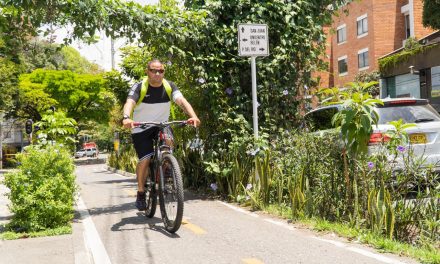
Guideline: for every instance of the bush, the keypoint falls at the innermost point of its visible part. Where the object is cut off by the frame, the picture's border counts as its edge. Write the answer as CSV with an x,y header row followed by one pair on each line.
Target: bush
x,y
126,160
42,190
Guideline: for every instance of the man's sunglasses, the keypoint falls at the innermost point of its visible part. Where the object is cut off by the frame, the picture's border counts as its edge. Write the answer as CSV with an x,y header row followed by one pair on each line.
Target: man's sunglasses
x,y
156,71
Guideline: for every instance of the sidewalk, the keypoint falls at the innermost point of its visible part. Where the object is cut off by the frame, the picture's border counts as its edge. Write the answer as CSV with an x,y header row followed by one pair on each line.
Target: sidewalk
x,y
67,249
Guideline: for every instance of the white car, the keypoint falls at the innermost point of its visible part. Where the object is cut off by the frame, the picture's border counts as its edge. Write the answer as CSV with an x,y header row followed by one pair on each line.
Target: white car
x,y
80,153
91,152
424,137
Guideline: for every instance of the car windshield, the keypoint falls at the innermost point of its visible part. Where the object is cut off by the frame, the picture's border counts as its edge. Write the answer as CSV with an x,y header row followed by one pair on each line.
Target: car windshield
x,y
408,113
321,119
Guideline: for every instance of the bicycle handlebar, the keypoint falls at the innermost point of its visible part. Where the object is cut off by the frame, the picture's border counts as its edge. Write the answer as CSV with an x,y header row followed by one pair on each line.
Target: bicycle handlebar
x,y
161,124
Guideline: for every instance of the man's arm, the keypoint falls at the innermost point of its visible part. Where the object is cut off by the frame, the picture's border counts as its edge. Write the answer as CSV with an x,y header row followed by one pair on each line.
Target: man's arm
x,y
187,108
128,109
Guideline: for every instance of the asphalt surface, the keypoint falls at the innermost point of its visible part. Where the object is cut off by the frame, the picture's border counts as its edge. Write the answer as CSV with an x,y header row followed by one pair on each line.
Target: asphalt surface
x,y
108,229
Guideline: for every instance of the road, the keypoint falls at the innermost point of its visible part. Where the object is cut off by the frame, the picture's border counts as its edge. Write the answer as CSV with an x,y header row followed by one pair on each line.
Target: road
x,y
213,231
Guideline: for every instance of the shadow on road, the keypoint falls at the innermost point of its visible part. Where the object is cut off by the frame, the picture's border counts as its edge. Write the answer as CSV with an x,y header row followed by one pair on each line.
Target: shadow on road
x,y
141,219
111,209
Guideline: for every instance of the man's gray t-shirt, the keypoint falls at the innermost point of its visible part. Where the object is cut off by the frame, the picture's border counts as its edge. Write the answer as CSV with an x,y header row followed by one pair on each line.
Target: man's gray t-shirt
x,y
155,107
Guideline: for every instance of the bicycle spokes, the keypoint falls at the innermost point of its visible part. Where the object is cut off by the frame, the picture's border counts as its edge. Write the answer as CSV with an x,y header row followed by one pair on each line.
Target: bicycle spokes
x,y
169,192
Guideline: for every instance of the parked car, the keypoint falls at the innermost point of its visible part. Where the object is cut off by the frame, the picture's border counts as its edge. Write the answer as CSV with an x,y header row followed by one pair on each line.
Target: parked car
x,y
80,153
91,152
424,137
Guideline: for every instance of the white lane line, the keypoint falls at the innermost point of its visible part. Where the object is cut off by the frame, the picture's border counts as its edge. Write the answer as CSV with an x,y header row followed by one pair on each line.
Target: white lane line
x,y
278,223
360,251
336,243
91,237
239,209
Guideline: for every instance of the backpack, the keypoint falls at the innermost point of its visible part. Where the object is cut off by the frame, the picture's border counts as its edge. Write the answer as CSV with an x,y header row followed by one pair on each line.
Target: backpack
x,y
168,90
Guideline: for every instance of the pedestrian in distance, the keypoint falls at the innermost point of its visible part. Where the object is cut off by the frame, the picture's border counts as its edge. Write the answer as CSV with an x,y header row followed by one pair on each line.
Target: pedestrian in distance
x,y
151,101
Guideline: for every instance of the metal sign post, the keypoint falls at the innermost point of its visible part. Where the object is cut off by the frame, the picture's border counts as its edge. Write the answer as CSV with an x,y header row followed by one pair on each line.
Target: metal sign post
x,y
254,96
253,41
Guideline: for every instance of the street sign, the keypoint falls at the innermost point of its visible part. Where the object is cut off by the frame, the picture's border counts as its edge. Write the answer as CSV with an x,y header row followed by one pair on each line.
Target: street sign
x,y
253,40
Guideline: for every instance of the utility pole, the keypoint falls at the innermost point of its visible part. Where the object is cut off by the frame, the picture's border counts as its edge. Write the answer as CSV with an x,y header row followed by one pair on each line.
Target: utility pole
x,y
112,50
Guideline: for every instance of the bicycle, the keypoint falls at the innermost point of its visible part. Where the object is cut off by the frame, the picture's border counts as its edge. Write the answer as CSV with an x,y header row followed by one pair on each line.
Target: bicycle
x,y
165,178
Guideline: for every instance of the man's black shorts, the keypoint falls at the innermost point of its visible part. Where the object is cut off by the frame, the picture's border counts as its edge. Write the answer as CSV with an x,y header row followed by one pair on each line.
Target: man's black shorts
x,y
143,142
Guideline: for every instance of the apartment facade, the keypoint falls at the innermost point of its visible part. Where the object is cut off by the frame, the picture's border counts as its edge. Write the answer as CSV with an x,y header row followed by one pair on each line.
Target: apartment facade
x,y
12,138
365,31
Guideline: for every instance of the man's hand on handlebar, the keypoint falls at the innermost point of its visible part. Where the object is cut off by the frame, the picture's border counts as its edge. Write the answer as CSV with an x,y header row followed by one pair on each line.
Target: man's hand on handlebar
x,y
128,123
193,121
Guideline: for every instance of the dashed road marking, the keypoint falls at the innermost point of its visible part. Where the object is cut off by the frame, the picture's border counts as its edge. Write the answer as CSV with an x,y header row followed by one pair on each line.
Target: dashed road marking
x,y
130,192
194,228
252,261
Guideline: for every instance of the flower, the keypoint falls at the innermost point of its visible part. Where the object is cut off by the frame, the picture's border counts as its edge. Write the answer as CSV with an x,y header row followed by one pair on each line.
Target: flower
x,y
248,186
254,152
229,91
370,164
214,186
169,63
201,80
306,87
401,148
285,92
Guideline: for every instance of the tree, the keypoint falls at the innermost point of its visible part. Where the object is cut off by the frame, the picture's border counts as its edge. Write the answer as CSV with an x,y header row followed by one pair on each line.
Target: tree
x,y
56,127
8,90
41,54
118,85
20,19
431,13
77,63
82,96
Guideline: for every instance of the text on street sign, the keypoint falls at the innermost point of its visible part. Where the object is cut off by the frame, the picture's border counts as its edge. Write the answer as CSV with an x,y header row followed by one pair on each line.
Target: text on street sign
x,y
253,40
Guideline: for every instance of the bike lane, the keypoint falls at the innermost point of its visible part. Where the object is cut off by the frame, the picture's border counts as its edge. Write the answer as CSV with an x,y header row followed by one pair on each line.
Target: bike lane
x,y
212,231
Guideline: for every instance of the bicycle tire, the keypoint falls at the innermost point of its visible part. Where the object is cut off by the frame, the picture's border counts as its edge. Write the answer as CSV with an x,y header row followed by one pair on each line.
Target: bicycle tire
x,y
171,190
150,192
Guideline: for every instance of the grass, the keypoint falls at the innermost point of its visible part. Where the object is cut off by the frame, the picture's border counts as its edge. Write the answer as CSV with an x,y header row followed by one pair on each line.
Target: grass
x,y
427,253
10,235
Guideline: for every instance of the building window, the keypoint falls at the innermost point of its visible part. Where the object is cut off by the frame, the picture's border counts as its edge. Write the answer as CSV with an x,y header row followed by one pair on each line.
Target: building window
x,y
435,82
408,85
342,65
362,26
7,135
407,27
342,34
363,59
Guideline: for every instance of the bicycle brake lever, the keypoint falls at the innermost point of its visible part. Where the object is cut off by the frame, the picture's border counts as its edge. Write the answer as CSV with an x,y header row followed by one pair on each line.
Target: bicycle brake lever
x,y
183,124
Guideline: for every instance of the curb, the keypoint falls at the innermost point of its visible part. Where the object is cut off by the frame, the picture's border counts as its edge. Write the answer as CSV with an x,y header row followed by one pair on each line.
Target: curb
x,y
4,171
121,172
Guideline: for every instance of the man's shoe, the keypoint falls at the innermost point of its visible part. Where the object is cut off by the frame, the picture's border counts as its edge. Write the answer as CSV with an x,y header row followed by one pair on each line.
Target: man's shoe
x,y
141,203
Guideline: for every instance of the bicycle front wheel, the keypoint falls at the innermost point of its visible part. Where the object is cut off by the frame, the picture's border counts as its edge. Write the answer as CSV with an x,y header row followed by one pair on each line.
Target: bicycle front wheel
x,y
150,191
171,193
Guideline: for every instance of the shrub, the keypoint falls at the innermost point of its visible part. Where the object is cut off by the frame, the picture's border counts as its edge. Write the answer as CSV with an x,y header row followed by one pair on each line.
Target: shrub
x,y
126,160
42,190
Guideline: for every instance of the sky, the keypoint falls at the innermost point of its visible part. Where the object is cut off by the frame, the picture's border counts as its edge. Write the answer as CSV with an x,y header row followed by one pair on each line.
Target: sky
x,y
100,52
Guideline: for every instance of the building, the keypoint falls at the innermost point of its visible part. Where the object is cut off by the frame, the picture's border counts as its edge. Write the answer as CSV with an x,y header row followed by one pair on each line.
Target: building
x,y
364,31
12,138
413,73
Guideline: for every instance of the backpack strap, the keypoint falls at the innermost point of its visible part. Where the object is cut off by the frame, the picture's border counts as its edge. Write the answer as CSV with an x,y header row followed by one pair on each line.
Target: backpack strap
x,y
168,90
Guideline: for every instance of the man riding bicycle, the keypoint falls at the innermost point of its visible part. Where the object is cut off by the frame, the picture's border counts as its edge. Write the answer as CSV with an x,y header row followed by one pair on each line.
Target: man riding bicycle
x,y
150,101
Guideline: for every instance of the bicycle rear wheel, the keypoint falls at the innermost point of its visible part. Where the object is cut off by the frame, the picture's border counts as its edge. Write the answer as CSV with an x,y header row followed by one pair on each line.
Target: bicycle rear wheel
x,y
171,193
150,192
